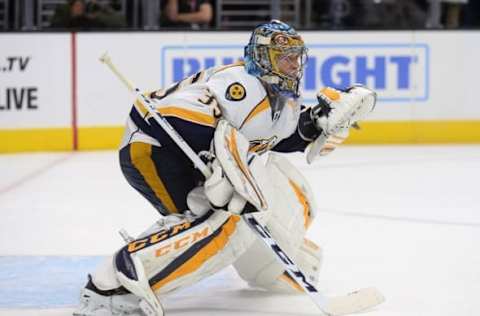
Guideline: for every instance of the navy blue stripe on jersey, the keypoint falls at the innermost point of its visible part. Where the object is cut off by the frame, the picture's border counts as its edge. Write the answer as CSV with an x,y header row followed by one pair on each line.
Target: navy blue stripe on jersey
x,y
195,135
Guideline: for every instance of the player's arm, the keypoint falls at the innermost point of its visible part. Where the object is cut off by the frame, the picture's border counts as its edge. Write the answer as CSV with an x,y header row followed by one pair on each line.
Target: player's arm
x,y
334,114
304,134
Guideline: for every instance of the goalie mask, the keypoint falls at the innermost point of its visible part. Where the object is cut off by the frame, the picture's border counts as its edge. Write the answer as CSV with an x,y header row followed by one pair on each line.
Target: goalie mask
x,y
276,54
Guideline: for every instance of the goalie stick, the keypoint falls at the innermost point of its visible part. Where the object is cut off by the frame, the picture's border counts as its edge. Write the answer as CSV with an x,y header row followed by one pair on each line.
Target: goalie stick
x,y
335,306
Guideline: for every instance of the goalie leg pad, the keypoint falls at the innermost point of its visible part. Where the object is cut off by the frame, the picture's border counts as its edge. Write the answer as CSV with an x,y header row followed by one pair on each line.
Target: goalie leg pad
x,y
174,252
298,183
186,252
291,215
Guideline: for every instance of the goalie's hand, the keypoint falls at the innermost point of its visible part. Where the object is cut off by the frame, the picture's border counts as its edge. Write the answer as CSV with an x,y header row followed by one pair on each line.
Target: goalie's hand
x,y
339,110
220,192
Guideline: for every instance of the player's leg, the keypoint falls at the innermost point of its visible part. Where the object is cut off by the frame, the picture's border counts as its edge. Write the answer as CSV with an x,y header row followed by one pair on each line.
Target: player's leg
x,y
178,253
160,174
104,294
182,249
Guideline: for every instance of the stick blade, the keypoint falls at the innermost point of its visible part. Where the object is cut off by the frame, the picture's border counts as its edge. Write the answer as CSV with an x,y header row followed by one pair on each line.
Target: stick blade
x,y
354,302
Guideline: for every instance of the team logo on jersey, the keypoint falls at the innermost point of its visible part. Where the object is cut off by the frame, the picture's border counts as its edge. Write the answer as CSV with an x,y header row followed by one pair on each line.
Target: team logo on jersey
x,y
235,92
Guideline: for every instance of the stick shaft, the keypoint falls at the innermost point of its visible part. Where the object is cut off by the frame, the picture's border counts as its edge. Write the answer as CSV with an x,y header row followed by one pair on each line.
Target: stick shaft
x,y
107,61
288,264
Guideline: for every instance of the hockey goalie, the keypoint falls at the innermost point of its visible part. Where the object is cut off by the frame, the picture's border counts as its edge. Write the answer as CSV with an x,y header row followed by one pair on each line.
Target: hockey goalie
x,y
238,118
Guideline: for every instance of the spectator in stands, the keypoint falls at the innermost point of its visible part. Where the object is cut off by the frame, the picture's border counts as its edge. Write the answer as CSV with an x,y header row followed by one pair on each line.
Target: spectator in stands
x,y
472,14
445,13
394,14
82,14
337,14
381,14
453,12
193,14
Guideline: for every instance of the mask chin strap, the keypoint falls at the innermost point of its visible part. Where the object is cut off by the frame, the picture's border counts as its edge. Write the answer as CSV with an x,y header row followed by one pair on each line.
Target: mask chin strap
x,y
276,85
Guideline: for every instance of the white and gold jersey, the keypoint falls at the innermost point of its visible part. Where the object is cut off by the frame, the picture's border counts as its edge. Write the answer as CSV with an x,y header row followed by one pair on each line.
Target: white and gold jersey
x,y
194,105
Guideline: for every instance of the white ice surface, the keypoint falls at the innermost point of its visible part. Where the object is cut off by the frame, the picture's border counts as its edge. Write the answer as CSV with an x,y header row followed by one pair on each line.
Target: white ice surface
x,y
405,219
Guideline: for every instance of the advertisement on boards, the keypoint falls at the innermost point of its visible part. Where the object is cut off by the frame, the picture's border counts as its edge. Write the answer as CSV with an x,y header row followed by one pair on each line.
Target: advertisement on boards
x,y
35,83
398,72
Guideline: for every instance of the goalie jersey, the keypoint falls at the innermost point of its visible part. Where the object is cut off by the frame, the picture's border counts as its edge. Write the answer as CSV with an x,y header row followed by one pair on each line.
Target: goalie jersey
x,y
193,106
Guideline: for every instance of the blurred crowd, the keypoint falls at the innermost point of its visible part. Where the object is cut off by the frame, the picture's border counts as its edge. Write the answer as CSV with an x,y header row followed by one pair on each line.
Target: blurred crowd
x,y
229,14
397,14
86,14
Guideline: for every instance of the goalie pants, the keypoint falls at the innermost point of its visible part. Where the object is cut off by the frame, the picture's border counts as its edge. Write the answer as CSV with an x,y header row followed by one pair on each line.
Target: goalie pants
x,y
163,175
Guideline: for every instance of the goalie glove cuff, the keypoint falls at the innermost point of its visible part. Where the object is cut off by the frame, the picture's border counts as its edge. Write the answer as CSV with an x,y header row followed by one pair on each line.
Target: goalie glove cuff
x,y
313,120
307,128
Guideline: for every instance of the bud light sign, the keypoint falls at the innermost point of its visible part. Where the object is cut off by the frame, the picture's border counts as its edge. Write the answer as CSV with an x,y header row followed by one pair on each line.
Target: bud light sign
x,y
398,72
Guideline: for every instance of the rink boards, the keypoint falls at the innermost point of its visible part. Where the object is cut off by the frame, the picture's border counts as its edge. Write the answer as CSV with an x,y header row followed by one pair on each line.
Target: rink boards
x,y
55,95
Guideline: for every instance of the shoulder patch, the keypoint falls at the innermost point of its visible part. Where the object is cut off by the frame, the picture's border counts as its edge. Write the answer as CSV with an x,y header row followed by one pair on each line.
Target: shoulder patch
x,y
235,92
